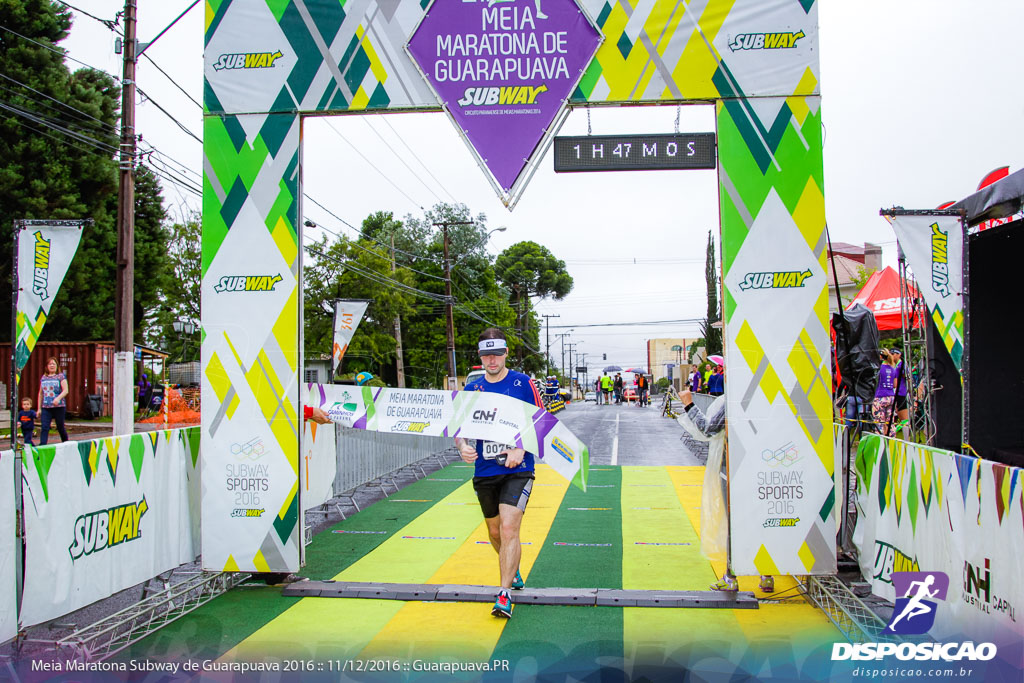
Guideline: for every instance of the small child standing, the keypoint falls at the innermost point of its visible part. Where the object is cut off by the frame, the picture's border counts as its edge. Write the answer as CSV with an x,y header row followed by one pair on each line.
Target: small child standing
x,y
27,420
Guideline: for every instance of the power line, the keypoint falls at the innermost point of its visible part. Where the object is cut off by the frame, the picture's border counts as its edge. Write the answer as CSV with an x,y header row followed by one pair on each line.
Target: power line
x,y
373,166
65,104
397,156
59,52
644,323
170,116
176,84
384,246
93,142
360,232
109,23
417,158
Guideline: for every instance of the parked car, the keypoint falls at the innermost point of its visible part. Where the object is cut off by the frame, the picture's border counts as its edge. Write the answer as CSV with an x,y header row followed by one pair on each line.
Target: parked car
x,y
629,394
590,396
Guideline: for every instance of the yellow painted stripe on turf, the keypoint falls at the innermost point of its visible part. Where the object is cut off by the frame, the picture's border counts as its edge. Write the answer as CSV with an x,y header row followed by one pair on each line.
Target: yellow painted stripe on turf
x,y
467,631
330,628
800,622
652,634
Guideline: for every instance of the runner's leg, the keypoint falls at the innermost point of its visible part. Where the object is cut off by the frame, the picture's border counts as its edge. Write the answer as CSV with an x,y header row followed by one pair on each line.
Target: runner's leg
x,y
510,552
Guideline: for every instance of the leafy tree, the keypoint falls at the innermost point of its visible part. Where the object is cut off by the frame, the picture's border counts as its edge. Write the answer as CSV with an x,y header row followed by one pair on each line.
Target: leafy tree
x,y
528,269
182,288
58,140
712,335
355,270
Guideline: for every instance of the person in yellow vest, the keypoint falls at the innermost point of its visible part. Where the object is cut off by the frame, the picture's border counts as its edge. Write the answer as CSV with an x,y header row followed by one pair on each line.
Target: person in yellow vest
x,y
606,388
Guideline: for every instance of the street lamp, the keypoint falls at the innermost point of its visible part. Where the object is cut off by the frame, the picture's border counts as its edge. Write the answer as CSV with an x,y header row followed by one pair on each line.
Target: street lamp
x,y
494,231
184,329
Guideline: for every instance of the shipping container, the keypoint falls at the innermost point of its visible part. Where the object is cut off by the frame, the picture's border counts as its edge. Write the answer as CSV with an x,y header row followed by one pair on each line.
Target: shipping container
x,y
89,367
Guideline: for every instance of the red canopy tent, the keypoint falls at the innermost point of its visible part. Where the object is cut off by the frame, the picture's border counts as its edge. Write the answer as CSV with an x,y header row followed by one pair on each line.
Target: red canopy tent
x,y
881,296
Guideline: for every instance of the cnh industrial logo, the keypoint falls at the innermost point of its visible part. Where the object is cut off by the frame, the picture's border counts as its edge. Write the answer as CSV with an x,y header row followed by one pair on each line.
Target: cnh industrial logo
x,y
918,596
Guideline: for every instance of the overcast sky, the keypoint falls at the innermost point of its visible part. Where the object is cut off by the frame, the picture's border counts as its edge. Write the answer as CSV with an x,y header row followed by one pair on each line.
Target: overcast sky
x,y
920,99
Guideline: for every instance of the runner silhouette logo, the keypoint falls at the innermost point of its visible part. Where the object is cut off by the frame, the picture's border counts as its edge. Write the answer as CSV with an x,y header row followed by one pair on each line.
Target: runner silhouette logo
x,y
916,602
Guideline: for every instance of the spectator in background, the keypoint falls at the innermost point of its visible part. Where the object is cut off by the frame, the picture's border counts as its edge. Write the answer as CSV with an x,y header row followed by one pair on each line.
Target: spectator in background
x,y
902,406
27,420
53,390
885,393
696,381
145,391
618,388
716,382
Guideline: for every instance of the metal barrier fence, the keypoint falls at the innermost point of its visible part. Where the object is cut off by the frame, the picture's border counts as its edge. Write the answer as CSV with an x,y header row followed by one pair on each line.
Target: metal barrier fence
x,y
364,455
703,401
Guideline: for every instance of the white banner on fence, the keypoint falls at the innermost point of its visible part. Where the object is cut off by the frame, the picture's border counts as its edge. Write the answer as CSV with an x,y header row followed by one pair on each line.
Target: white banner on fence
x,y
102,516
44,254
934,246
469,414
319,464
923,509
8,576
348,313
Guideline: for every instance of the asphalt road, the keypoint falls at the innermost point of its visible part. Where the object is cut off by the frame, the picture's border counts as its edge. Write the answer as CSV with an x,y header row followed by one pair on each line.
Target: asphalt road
x,y
628,435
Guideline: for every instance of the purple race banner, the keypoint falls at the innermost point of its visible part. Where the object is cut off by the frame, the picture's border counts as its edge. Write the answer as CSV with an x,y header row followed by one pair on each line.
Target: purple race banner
x,y
504,70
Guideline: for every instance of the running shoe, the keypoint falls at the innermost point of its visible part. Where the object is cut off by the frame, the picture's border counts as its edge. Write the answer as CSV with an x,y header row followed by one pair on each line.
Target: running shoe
x,y
503,605
768,584
518,583
728,583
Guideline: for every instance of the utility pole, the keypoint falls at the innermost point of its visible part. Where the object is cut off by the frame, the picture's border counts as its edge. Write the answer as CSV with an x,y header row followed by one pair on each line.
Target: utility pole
x,y
570,375
399,358
124,304
547,348
452,377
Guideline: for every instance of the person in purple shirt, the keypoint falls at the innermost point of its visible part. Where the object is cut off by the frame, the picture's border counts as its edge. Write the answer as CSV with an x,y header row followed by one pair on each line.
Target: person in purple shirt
x,y
885,393
504,474
902,406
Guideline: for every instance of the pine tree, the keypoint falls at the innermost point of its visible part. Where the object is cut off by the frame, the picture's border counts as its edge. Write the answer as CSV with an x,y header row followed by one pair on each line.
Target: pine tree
x,y
58,143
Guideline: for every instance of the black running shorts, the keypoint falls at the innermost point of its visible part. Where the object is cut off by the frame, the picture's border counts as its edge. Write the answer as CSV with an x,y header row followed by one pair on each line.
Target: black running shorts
x,y
511,489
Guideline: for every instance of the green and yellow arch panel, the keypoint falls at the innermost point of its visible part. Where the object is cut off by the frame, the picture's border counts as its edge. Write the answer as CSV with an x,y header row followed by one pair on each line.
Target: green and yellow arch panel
x,y
268,62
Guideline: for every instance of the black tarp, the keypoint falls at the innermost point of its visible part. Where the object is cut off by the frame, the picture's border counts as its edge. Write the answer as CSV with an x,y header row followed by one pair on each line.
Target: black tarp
x,y
857,350
998,200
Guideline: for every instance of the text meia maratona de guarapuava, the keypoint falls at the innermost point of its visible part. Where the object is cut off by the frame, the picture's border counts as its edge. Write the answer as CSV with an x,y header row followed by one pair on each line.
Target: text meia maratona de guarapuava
x,y
508,47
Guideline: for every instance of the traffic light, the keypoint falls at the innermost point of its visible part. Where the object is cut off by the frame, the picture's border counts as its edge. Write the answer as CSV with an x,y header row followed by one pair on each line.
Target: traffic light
x,y
604,356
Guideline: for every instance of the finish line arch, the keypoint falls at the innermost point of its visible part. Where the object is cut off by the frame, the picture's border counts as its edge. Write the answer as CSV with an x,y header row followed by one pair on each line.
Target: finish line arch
x,y
270,62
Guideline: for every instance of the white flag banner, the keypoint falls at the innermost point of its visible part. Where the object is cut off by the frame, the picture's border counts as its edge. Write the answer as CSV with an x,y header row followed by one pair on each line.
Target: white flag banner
x,y
45,251
934,246
468,414
8,576
348,313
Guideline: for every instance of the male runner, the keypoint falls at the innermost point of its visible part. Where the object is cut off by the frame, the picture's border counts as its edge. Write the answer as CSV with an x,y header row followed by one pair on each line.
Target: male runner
x,y
504,474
